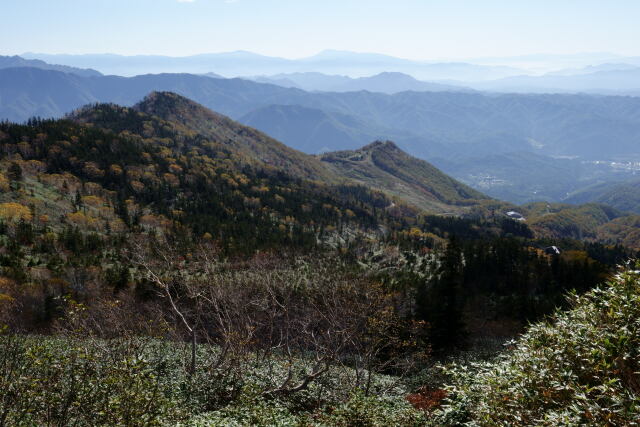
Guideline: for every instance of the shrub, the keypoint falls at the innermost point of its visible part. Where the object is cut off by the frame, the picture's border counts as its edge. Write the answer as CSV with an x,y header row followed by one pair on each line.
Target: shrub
x,y
66,382
580,368
359,410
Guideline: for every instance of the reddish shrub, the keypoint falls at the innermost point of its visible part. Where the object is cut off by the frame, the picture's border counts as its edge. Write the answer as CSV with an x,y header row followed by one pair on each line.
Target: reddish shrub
x,y
427,398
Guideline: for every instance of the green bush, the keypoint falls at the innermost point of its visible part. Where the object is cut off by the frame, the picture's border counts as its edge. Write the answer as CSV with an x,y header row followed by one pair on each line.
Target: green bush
x,y
373,411
136,382
581,368
46,381
359,410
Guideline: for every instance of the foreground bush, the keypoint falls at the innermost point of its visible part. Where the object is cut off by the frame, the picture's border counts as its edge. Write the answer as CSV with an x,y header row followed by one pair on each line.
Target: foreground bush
x,y
582,368
359,410
50,381
141,382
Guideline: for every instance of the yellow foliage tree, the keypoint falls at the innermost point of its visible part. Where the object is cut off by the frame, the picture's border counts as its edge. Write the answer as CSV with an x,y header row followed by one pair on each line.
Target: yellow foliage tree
x,y
80,219
115,170
4,183
93,170
93,201
15,212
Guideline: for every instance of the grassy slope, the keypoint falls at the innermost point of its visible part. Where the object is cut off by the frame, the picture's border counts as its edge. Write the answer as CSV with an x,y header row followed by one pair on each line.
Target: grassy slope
x,y
384,166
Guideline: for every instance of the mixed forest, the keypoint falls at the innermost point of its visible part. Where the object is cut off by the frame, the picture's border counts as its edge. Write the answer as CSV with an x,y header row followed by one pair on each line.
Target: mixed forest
x,y
162,264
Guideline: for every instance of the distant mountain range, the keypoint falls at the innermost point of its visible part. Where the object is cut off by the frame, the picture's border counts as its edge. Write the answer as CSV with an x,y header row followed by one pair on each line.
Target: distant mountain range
x,y
590,69
428,124
387,82
620,79
17,61
608,79
239,62
341,71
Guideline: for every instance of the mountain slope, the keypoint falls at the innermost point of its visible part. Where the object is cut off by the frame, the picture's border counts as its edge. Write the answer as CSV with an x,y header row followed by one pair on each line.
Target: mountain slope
x,y
384,166
620,195
577,222
246,141
390,170
313,130
115,169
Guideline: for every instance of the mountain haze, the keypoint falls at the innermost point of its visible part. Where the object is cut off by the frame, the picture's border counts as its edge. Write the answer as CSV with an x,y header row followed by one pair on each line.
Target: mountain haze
x,y
19,62
238,62
619,79
387,82
314,130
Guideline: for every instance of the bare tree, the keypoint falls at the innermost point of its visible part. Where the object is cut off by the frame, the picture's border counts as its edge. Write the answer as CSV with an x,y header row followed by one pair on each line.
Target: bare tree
x,y
297,313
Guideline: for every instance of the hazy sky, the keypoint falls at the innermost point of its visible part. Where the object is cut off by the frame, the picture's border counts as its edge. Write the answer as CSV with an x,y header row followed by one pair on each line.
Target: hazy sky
x,y
416,29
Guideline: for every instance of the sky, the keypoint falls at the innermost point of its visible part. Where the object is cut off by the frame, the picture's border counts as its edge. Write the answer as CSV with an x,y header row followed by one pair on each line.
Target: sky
x,y
413,29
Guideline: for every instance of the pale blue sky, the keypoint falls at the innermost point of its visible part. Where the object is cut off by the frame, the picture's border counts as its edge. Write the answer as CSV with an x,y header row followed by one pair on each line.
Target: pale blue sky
x,y
416,29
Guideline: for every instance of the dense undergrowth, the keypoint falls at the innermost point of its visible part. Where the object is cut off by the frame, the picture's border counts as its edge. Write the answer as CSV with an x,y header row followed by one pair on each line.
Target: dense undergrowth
x,y
87,382
582,367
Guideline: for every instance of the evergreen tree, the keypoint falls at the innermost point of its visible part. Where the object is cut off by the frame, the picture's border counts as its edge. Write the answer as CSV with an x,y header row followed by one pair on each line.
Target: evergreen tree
x,y
439,301
15,172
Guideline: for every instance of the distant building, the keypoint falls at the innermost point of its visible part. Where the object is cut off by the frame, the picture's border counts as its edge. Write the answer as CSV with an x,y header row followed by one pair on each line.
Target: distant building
x,y
552,250
515,215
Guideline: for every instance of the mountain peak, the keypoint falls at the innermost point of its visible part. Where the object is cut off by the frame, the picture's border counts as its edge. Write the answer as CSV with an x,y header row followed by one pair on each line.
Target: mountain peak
x,y
380,146
393,75
383,165
176,108
160,99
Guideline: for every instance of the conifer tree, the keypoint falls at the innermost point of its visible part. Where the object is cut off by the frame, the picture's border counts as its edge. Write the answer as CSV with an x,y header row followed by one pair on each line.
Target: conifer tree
x,y
439,300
